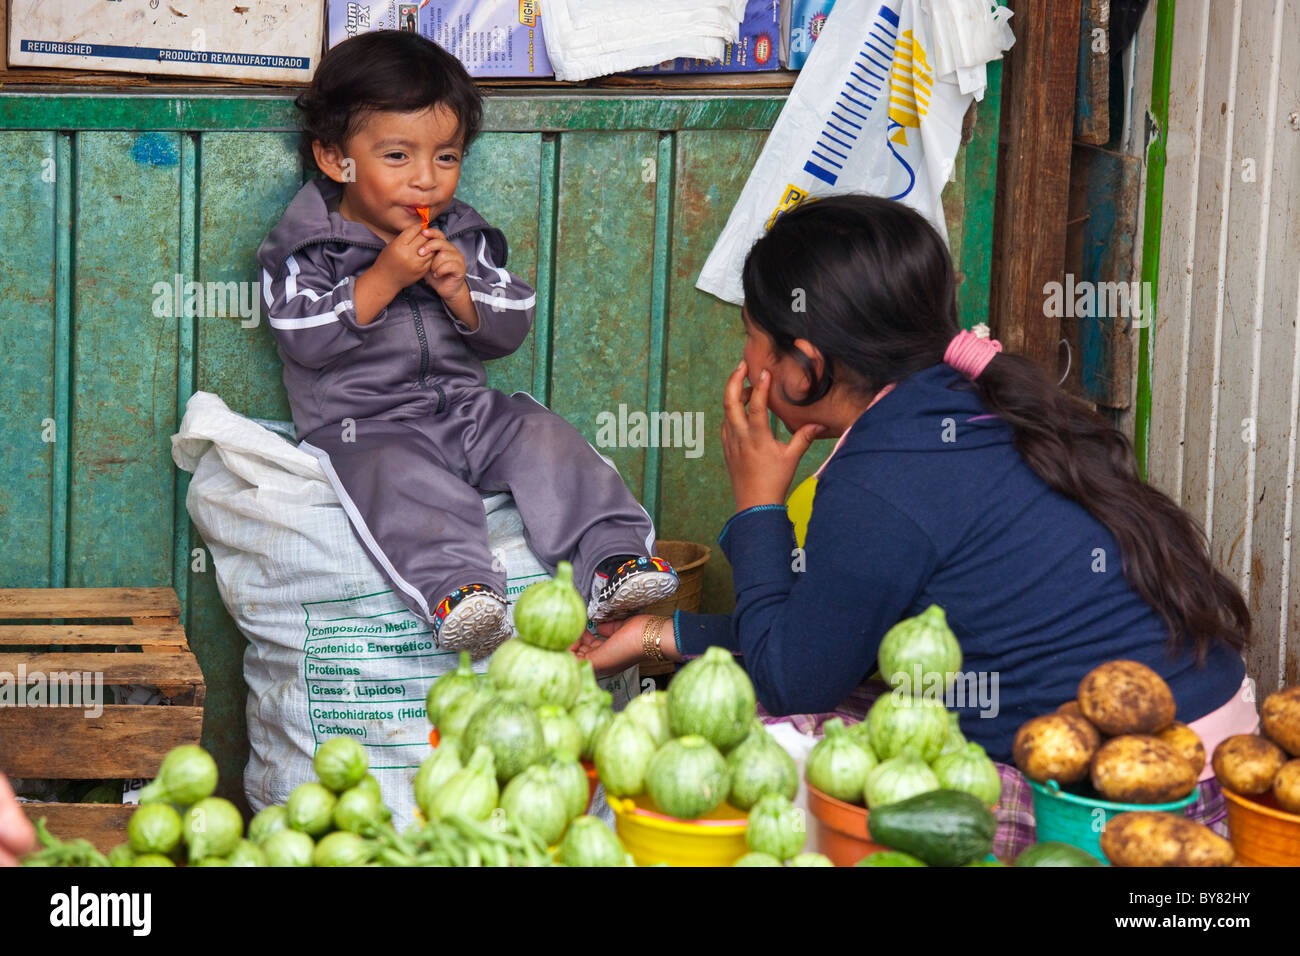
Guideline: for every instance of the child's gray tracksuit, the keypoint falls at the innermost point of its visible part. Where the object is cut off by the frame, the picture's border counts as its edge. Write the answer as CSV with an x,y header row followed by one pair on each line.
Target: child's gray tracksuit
x,y
399,415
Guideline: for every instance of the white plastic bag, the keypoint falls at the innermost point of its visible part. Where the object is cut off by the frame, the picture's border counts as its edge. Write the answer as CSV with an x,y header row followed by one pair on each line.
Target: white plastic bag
x,y
869,114
332,651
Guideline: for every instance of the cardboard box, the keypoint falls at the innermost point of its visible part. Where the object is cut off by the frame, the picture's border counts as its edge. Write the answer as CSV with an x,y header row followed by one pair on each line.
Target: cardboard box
x,y
492,38
757,49
269,40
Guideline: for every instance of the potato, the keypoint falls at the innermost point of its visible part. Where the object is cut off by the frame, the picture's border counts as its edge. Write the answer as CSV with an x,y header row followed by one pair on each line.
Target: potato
x,y
1070,707
1136,768
1246,764
1286,786
1149,838
1125,697
1183,739
1055,747
1279,718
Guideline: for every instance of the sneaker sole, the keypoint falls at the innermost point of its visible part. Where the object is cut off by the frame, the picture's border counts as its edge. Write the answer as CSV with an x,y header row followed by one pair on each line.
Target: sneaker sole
x,y
642,590
474,625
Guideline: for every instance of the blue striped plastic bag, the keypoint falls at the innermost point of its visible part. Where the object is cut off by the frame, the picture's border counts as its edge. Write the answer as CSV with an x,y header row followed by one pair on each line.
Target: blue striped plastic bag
x,y
869,114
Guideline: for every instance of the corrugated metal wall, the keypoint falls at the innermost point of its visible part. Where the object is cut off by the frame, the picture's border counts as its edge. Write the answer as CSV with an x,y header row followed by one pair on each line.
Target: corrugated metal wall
x,y
1225,356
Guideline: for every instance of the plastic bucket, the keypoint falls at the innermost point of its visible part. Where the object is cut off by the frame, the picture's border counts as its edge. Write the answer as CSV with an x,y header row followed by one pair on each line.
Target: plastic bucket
x,y
840,831
716,839
1262,834
1079,820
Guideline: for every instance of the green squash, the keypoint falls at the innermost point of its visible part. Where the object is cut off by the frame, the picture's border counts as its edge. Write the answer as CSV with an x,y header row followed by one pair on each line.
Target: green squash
x,y
971,771
439,767
589,842
687,778
623,755
837,766
551,614
897,721
536,800
776,827
592,715
757,859
940,827
542,676
651,712
572,780
920,655
897,779
457,715
560,734
758,765
448,687
471,792
712,697
811,859
1056,854
511,730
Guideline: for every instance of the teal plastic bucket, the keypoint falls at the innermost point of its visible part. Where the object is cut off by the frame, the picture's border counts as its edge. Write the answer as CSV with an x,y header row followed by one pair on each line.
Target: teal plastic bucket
x,y
1078,820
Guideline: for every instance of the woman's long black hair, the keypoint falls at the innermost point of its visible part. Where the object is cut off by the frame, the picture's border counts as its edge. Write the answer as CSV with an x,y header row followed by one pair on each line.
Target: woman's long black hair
x,y
869,282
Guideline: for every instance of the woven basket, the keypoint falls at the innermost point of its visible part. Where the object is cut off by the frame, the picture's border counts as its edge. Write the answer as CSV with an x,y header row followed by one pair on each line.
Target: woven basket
x,y
688,560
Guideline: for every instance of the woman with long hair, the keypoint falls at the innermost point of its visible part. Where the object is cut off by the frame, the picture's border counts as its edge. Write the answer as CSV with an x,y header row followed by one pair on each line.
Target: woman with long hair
x,y
963,477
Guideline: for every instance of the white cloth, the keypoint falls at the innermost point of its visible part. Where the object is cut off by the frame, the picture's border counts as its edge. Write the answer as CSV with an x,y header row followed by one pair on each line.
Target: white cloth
x,y
586,38
967,34
870,113
332,651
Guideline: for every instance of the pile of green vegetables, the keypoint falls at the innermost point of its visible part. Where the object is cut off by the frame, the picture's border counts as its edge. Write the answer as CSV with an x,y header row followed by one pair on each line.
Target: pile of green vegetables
x,y
696,745
909,743
700,744
511,741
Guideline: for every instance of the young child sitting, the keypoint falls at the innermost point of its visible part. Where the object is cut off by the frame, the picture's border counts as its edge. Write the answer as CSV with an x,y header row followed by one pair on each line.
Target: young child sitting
x,y
385,293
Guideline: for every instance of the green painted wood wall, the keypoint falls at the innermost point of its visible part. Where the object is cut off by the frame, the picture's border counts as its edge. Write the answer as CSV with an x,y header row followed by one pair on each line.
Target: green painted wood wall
x,y
611,202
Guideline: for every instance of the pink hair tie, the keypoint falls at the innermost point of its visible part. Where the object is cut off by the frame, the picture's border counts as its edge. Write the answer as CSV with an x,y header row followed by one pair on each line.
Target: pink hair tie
x,y
970,352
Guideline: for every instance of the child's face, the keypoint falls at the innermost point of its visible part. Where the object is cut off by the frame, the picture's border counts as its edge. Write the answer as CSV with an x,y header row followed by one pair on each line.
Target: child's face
x,y
399,161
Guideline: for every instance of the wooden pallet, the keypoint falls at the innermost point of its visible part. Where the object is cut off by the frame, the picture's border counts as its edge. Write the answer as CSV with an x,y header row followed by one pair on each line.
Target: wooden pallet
x,y
146,646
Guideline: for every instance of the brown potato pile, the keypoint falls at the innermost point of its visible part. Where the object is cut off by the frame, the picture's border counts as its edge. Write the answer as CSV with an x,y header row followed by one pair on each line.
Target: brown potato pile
x,y
1147,838
1056,747
1246,764
1136,768
1183,739
1286,786
1125,697
1279,719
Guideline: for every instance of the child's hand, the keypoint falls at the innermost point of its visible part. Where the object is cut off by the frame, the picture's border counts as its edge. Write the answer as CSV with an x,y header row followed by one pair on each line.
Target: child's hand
x,y
761,467
404,260
447,273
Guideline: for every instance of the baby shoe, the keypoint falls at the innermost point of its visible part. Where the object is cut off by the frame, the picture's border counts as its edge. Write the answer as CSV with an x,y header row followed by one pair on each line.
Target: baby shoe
x,y
472,618
626,583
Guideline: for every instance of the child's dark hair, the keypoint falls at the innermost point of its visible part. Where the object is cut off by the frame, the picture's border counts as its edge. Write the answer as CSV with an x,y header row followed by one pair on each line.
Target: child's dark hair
x,y
389,70
869,282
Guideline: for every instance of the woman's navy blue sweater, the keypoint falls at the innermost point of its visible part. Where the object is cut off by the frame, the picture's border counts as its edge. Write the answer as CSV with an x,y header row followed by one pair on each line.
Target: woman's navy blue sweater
x,y
928,502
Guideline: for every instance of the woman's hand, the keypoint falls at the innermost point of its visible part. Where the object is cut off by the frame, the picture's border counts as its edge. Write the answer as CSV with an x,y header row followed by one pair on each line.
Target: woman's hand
x,y
761,467
619,644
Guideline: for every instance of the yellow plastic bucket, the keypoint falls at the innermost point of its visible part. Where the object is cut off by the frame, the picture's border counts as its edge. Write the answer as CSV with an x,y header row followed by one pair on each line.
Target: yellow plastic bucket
x,y
716,839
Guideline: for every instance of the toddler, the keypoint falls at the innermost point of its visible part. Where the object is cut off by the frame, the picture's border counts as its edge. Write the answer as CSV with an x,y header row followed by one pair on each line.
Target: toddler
x,y
385,293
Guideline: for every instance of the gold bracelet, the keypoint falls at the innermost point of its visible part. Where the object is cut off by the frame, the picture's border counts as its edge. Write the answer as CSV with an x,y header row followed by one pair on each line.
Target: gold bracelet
x,y
650,639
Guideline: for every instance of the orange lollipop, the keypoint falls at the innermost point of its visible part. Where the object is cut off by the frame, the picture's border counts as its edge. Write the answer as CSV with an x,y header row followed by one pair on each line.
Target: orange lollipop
x,y
424,215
